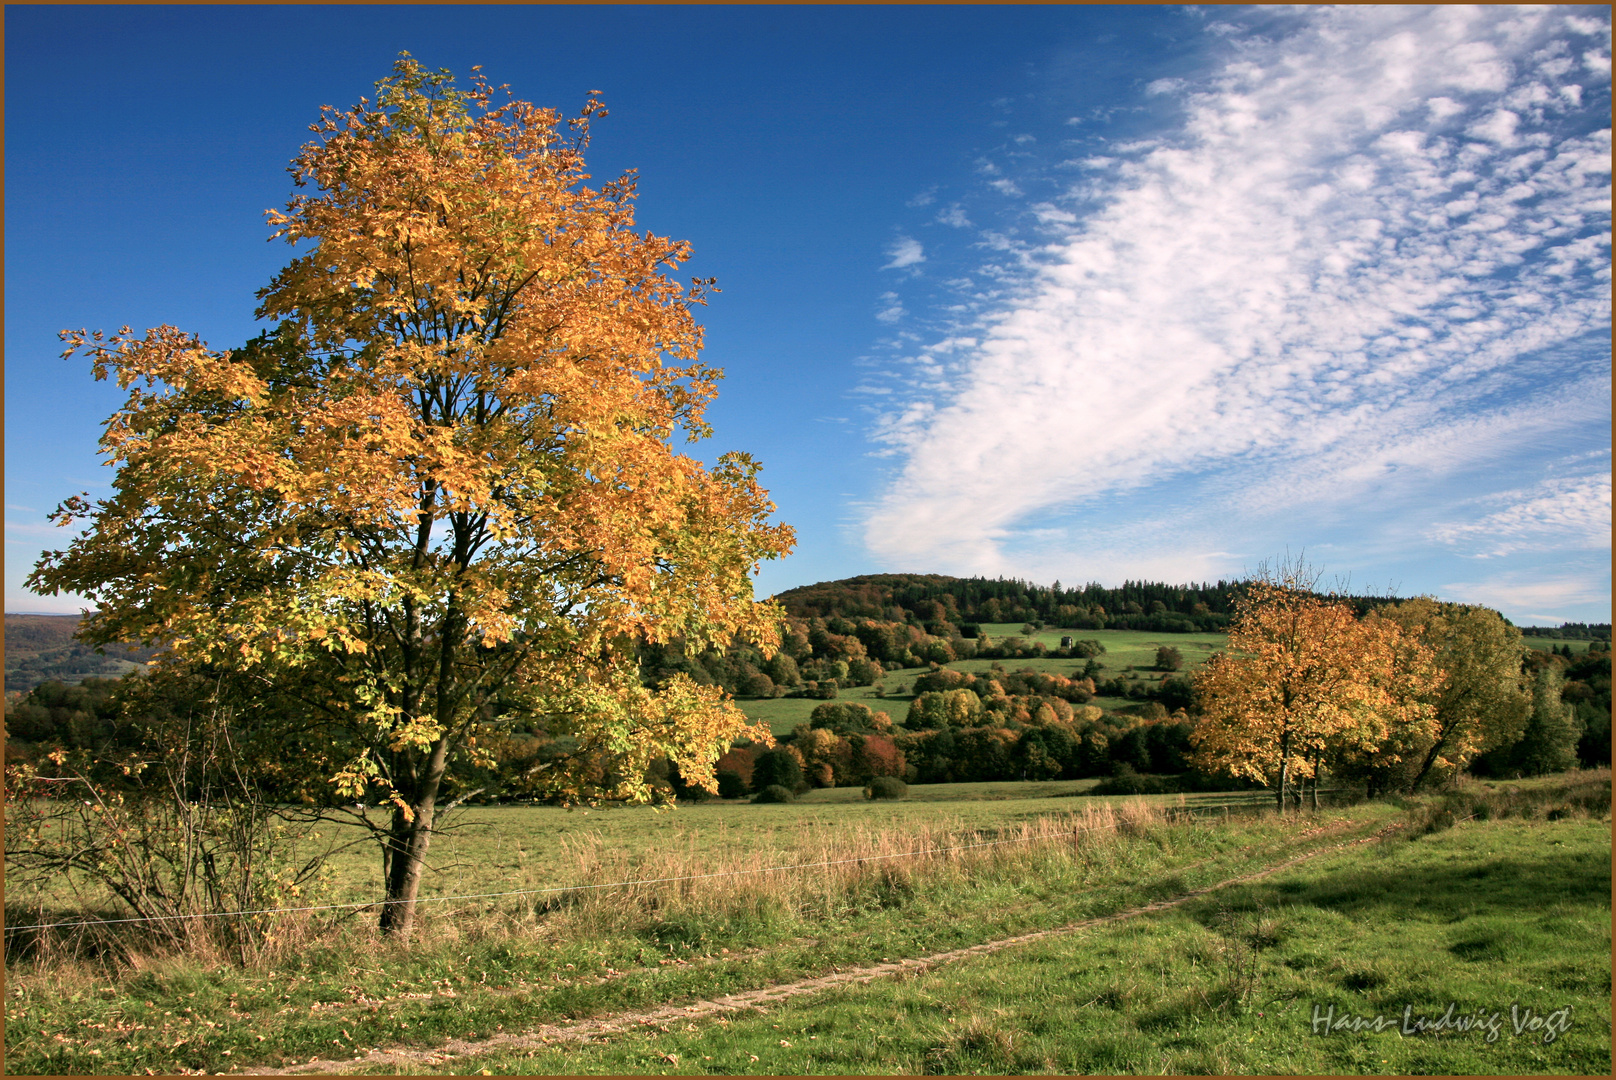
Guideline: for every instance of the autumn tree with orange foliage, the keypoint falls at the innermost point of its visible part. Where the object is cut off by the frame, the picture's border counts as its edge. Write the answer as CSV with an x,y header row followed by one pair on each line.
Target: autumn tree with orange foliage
x,y
1305,681
442,494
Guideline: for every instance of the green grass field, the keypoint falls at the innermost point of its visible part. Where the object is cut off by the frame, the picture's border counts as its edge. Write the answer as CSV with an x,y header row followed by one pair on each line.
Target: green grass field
x,y
1124,650
1492,909
1486,917
499,848
1578,648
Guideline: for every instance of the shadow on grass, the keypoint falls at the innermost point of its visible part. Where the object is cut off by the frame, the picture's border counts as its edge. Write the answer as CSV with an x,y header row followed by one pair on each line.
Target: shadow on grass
x,y
1505,885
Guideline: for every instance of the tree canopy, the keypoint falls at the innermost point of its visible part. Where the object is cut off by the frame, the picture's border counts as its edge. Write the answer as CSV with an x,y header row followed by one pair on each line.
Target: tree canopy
x,y
1477,700
442,492
1304,681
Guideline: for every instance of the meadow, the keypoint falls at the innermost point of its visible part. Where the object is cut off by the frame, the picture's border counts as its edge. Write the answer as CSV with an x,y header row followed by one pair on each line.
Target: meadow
x,y
1502,894
1508,920
1125,650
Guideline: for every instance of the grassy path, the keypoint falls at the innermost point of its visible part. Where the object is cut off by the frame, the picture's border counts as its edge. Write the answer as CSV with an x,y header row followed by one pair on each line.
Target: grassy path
x,y
546,1035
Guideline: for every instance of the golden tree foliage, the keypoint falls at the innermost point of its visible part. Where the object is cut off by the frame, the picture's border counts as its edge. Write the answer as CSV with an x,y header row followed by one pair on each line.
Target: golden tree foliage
x,y
1305,681
443,491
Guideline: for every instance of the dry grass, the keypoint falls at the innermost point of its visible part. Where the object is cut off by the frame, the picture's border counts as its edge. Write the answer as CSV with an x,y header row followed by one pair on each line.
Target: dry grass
x,y
825,872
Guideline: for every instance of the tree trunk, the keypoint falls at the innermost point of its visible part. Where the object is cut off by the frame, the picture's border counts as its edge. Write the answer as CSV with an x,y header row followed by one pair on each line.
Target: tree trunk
x,y
1284,768
408,843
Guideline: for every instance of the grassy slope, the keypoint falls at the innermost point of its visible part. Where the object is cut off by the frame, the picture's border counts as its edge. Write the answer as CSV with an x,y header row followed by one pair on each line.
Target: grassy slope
x,y
1488,915
1123,649
1545,644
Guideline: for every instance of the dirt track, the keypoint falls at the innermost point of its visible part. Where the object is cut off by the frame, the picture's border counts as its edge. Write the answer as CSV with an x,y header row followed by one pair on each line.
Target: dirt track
x,y
615,1023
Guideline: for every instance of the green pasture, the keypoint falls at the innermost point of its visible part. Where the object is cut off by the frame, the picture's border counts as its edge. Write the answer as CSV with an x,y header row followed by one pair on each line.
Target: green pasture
x,y
1498,894
1487,917
784,714
1578,648
1124,649
500,848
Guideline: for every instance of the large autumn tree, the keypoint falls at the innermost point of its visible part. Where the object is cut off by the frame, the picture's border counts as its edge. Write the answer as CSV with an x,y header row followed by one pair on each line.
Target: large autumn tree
x,y
1306,681
443,491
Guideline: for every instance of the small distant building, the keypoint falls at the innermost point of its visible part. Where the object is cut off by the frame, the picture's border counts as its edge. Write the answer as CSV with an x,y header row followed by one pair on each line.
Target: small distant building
x,y
1066,642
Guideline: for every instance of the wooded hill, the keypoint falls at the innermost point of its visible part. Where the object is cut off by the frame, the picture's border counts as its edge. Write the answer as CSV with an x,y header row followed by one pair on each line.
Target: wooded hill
x,y
1154,606
935,598
42,647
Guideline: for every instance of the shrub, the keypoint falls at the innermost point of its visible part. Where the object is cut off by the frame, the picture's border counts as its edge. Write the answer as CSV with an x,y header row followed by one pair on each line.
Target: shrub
x,y
844,719
863,672
774,793
756,685
778,766
886,787
1126,781
731,784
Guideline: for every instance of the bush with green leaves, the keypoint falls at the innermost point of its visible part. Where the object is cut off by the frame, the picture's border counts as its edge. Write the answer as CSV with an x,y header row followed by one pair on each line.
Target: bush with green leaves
x,y
731,784
774,793
886,787
777,766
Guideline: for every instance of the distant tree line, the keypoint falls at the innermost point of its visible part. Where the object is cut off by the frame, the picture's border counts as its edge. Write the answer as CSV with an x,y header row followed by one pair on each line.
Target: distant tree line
x,y
1571,631
954,736
928,600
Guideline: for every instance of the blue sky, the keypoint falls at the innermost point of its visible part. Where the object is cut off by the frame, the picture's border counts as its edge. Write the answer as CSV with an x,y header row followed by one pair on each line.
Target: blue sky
x,y
1049,292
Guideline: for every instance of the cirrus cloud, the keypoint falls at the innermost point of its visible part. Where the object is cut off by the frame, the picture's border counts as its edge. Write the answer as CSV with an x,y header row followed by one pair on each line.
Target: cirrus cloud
x,y
1371,257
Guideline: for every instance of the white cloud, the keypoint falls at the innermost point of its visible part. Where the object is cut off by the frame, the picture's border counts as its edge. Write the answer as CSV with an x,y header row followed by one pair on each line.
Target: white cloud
x,y
1555,515
1443,107
892,309
1313,290
955,216
905,252
1498,128
1519,597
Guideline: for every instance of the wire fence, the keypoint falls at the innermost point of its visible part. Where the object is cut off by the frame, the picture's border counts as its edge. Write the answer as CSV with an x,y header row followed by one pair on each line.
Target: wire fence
x,y
1169,812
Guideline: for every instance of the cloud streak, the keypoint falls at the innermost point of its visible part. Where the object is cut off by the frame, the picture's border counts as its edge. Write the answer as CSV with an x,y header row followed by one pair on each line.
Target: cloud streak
x,y
1374,250
905,252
